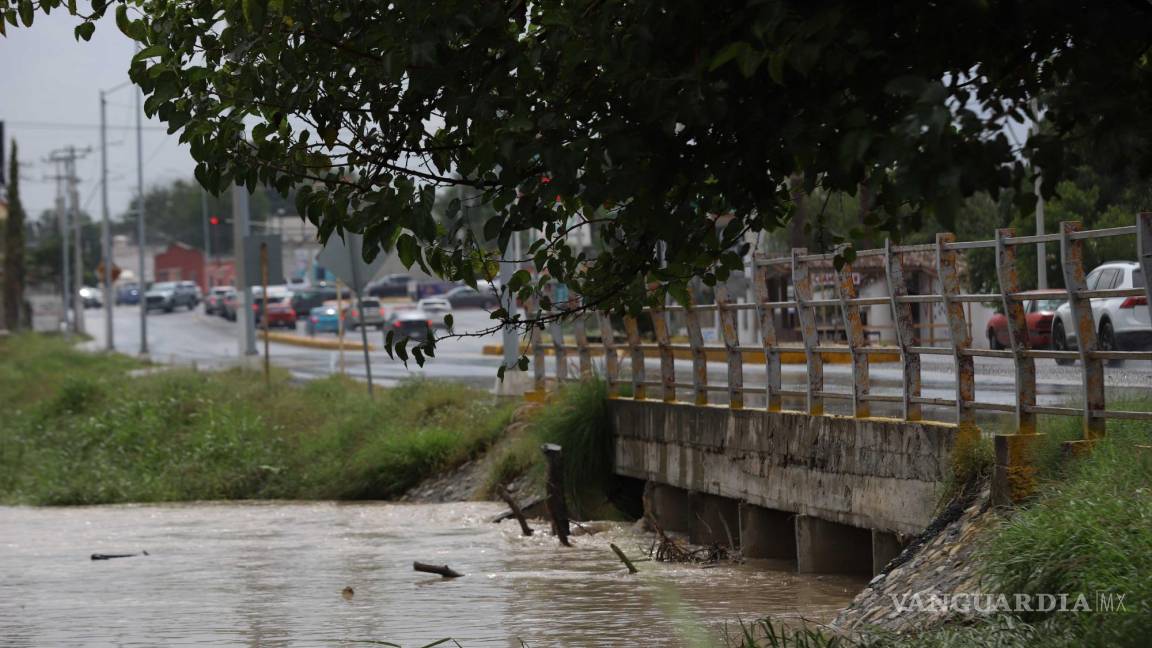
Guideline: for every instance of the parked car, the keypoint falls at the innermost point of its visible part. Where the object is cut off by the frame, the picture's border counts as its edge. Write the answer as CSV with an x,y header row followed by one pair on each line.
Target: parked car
x,y
128,293
372,314
230,305
323,319
194,288
280,312
393,285
414,325
1038,312
469,297
168,295
1122,323
214,303
421,289
90,297
304,299
435,306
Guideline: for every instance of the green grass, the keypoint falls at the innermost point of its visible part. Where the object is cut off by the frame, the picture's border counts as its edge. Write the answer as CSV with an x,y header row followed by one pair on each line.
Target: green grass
x,y
79,430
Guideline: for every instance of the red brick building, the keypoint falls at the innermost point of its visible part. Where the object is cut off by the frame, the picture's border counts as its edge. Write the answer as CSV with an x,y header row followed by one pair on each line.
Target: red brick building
x,y
180,262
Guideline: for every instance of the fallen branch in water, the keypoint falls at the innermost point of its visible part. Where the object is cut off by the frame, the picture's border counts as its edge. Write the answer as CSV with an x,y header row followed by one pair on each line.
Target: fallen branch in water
x,y
442,570
516,512
100,556
623,558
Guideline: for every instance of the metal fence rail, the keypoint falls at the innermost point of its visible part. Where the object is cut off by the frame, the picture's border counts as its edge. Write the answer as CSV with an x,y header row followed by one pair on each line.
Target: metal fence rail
x,y
631,352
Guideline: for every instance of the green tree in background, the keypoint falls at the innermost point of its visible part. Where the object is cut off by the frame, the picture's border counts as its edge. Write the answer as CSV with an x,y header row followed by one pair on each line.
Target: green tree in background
x,y
14,272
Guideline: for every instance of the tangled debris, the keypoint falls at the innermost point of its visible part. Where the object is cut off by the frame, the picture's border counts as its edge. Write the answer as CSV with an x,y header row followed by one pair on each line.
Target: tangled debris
x,y
667,549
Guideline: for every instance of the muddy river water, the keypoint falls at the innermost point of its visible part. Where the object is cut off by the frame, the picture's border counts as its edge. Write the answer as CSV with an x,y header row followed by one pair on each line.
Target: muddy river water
x,y
272,574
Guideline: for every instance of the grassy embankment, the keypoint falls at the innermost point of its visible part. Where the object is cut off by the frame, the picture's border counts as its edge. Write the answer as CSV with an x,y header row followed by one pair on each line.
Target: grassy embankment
x,y
1088,531
78,429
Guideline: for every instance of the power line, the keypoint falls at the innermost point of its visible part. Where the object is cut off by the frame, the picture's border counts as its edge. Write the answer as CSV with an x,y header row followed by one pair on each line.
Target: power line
x,y
47,125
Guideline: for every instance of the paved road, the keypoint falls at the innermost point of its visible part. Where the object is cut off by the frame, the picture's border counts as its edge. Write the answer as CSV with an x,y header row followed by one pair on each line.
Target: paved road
x,y
184,337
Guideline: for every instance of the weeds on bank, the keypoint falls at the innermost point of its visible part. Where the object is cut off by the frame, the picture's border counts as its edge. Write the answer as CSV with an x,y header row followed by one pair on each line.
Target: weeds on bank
x,y
89,433
576,417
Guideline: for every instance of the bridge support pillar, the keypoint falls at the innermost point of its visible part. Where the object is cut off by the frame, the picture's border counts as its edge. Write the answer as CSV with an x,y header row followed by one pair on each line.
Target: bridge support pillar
x,y
669,507
885,547
831,548
715,520
767,533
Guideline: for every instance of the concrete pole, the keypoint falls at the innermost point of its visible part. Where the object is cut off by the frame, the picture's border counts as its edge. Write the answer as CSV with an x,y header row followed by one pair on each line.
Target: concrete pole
x,y
507,269
1041,265
105,227
65,265
207,240
140,239
240,232
77,242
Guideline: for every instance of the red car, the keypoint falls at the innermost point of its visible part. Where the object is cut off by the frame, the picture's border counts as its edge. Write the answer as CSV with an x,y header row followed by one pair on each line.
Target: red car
x,y
280,312
1039,313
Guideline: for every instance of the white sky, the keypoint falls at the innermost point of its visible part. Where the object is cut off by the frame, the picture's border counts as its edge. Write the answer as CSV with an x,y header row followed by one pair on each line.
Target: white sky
x,y
49,99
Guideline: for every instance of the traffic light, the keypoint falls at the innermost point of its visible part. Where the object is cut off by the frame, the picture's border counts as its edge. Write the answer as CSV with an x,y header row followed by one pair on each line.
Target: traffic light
x,y
214,220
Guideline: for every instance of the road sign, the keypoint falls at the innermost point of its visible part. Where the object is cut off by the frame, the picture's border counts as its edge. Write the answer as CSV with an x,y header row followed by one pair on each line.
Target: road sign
x,y
252,270
344,257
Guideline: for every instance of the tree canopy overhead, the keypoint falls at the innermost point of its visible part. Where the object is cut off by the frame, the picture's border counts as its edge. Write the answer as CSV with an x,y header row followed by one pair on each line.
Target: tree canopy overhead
x,y
643,117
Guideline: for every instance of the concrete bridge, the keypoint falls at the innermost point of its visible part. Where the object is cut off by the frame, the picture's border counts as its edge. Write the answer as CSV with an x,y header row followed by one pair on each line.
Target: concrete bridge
x,y
767,466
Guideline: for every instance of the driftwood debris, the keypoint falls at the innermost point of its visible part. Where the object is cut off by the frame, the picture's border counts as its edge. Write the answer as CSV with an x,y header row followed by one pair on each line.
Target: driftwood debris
x,y
442,570
100,556
623,558
516,512
667,549
557,508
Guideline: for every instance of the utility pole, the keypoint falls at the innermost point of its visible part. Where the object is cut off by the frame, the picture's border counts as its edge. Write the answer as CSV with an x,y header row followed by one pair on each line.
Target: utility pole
x,y
77,239
207,239
240,232
1041,262
140,225
105,228
65,270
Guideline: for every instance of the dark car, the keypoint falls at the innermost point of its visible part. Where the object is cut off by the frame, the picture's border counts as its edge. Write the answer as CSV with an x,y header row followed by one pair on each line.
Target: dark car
x,y
394,285
414,325
469,297
128,293
306,298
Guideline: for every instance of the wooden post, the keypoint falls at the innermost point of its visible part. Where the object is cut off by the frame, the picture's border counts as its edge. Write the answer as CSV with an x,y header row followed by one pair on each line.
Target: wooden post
x,y
611,362
557,508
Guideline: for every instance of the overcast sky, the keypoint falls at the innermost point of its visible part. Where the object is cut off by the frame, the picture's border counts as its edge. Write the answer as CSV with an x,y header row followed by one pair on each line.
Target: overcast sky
x,y
49,99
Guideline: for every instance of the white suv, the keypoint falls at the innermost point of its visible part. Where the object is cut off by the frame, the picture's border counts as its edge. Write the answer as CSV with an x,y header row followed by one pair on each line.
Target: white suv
x,y
1122,323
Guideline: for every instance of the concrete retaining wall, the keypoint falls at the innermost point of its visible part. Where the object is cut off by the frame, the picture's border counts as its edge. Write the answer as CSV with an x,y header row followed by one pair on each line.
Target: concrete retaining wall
x,y
877,474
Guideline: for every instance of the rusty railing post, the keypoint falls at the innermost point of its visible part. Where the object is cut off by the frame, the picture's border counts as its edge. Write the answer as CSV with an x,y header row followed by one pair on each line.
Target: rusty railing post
x,y
580,330
699,357
1014,471
1144,252
1072,262
946,262
1025,366
802,286
854,328
667,362
731,346
556,328
611,361
905,332
632,329
768,341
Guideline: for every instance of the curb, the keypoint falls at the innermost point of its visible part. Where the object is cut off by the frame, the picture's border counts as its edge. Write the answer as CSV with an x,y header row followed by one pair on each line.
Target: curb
x,y
314,343
751,357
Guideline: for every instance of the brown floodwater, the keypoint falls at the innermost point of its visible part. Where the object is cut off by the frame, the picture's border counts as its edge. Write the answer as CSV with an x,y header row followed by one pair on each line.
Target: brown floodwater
x,y
272,574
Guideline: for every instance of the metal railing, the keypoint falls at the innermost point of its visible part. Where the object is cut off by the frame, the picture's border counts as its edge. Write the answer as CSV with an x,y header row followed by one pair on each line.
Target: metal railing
x,y
1071,238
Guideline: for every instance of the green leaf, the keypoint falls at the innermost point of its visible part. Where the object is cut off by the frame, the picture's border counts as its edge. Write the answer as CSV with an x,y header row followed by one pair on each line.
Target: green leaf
x,y
408,249
492,228
448,321
27,12
122,21
83,31
255,12
729,53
